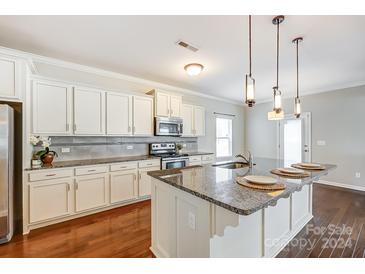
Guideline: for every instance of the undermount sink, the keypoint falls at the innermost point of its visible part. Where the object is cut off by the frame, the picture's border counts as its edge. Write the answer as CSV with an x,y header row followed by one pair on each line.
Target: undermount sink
x,y
231,165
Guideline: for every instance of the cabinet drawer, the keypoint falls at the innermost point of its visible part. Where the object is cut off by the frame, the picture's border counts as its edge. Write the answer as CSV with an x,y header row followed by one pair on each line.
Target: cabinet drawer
x,y
149,163
195,158
91,170
49,174
208,158
123,166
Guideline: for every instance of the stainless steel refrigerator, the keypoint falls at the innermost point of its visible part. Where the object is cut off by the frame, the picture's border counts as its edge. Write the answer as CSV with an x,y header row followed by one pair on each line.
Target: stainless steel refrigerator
x,y
6,173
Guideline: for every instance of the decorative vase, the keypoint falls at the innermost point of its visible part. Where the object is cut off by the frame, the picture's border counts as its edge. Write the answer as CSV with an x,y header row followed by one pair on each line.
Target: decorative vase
x,y
47,159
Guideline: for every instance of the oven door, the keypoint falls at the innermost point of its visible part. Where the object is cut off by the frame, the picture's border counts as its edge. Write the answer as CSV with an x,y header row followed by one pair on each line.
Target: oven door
x,y
176,163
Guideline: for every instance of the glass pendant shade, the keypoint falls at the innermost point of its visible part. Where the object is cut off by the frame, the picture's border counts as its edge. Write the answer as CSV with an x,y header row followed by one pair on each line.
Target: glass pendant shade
x,y
297,109
273,115
277,100
250,91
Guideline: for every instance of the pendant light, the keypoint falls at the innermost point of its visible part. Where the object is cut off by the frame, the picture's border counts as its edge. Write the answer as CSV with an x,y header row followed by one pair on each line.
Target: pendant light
x,y
297,109
250,81
277,113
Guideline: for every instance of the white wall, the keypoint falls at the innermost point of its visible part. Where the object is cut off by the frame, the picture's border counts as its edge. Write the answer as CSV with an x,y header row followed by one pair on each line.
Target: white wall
x,y
337,118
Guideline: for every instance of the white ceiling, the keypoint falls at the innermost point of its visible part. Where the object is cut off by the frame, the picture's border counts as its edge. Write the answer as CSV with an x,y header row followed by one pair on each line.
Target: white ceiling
x,y
332,54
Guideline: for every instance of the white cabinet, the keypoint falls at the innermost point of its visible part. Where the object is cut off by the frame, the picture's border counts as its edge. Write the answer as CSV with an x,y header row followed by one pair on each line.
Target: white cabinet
x,y
188,116
142,116
166,104
199,121
123,186
9,77
195,160
49,199
89,111
118,114
51,109
144,181
90,191
194,120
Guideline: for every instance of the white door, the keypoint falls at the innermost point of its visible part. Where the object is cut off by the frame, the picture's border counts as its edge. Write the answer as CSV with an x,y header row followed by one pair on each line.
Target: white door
x,y
118,114
199,121
51,110
187,114
89,112
142,116
294,139
49,199
162,104
123,186
175,106
90,191
9,77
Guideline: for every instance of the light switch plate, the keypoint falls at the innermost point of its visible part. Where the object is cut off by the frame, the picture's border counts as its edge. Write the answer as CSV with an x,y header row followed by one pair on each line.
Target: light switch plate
x,y
357,175
192,220
65,150
321,143
129,147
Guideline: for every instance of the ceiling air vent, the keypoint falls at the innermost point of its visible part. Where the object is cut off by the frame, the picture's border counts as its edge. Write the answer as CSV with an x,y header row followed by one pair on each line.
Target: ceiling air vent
x,y
187,45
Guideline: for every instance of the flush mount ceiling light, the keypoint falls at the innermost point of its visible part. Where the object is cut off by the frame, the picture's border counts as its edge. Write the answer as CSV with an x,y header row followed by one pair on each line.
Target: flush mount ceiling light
x,y
297,100
194,69
277,112
250,81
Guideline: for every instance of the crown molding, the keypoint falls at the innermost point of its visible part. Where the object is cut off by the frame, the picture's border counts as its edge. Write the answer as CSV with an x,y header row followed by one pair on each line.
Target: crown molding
x,y
32,58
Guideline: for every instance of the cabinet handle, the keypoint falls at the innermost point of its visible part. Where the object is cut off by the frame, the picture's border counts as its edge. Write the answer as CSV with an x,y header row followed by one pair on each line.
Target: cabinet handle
x,y
75,128
50,175
68,187
134,177
76,186
129,128
140,176
91,170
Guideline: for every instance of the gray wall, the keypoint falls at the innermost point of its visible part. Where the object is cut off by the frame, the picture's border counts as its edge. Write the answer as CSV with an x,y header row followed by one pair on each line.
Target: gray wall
x,y
337,118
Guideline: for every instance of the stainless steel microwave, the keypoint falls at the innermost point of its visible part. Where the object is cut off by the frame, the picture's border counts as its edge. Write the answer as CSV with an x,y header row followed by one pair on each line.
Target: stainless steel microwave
x,y
165,126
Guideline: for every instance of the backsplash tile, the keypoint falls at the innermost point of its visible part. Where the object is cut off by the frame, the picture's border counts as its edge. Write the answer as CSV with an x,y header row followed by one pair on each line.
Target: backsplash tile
x,y
107,147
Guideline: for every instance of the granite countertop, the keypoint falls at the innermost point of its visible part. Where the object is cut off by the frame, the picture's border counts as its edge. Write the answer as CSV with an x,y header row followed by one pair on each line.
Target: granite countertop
x,y
217,185
89,162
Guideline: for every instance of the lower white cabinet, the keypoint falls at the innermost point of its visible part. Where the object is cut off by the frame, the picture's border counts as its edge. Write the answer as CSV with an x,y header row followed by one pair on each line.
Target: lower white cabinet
x,y
90,191
144,182
49,199
123,186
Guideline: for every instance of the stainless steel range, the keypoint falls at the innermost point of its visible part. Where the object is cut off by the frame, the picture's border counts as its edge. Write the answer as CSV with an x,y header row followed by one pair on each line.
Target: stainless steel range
x,y
169,157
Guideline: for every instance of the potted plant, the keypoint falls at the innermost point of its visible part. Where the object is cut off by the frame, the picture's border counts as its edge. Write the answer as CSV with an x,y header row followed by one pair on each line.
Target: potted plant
x,y
45,155
179,148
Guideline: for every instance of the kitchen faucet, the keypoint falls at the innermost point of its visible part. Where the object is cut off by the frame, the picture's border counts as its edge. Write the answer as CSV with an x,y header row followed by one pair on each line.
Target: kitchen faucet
x,y
248,160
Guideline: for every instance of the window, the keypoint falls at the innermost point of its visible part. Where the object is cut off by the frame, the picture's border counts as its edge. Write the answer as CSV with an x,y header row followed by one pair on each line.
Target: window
x,y
224,137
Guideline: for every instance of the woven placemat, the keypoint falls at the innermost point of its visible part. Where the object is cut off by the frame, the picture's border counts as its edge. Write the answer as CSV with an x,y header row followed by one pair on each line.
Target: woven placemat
x,y
291,175
309,168
242,181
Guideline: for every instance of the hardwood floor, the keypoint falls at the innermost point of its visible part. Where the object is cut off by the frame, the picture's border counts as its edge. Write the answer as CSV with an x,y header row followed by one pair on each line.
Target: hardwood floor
x,y
125,232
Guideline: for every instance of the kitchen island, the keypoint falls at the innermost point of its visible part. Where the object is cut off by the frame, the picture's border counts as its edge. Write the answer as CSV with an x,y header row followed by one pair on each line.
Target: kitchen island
x,y
200,211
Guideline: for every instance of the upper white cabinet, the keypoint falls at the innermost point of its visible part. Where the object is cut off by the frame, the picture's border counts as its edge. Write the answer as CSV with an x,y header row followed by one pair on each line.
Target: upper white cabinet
x,y
51,109
194,120
142,116
166,104
9,77
119,114
89,111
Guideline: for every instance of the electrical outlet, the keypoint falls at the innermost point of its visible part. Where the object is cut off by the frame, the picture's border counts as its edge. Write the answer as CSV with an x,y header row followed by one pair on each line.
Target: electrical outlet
x,y
184,145
357,174
192,220
65,150
129,147
321,143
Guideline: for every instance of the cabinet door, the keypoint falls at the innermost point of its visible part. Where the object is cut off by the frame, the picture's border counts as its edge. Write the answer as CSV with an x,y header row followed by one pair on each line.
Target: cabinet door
x,y
144,181
187,115
9,74
118,114
142,116
123,186
89,112
199,121
175,106
90,191
51,112
162,104
49,199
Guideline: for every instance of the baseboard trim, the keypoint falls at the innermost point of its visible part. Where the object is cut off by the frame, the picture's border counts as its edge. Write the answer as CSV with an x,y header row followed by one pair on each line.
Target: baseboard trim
x,y
358,188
